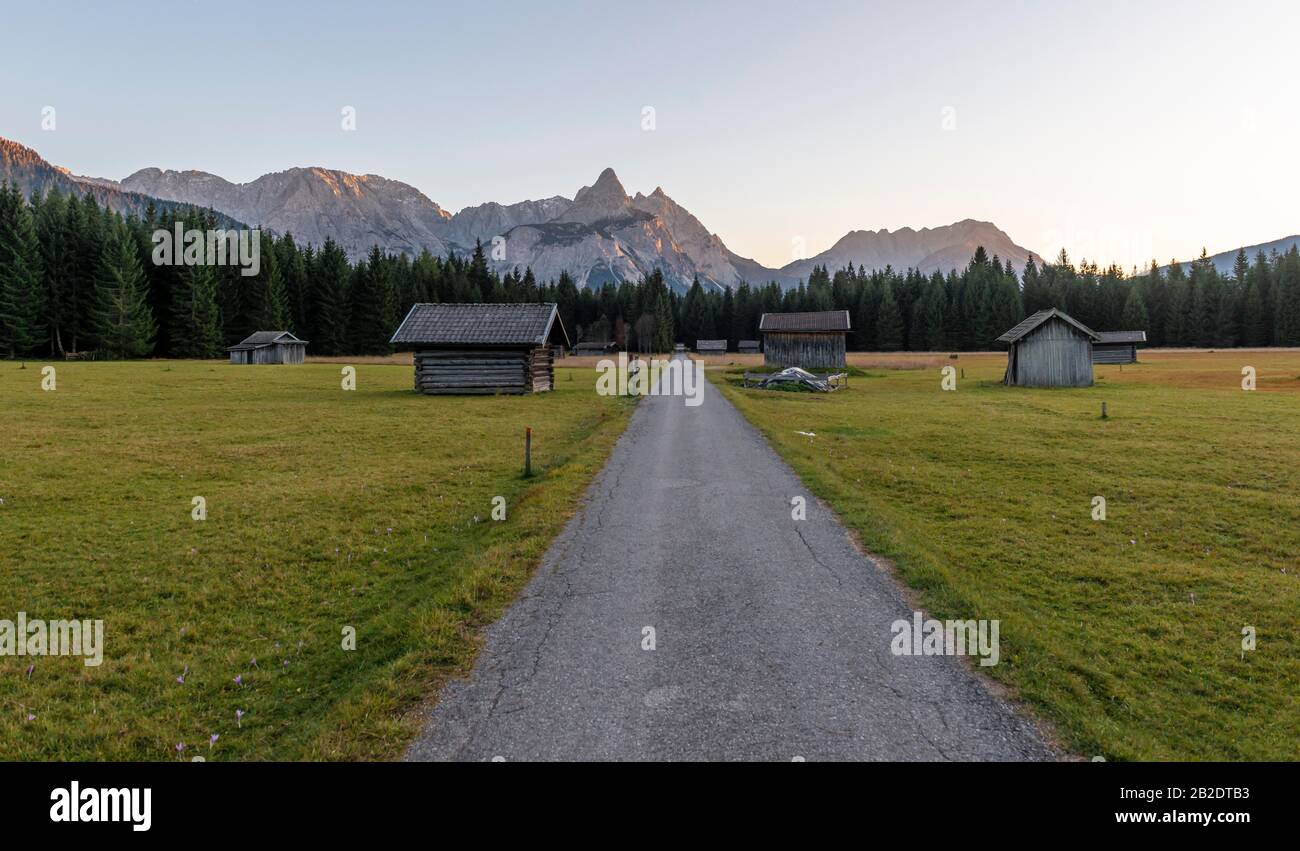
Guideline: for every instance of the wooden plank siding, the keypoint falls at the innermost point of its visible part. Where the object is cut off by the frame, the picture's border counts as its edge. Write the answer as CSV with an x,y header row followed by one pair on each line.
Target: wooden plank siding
x,y
1114,353
283,353
1055,354
807,350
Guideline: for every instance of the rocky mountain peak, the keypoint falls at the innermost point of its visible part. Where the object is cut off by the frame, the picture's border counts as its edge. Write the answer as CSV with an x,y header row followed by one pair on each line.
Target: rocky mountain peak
x,y
604,200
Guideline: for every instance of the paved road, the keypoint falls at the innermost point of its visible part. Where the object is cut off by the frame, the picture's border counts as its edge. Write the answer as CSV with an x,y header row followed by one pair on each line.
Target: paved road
x,y
772,635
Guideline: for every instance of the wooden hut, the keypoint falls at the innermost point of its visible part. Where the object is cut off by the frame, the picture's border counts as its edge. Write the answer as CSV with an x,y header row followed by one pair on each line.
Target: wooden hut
x,y
1049,349
711,347
805,340
747,347
482,348
269,347
1117,346
595,347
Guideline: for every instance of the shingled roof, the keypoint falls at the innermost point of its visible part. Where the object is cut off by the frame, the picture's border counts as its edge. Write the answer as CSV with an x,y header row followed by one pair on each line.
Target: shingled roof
x,y
825,320
258,339
1122,336
1039,318
481,324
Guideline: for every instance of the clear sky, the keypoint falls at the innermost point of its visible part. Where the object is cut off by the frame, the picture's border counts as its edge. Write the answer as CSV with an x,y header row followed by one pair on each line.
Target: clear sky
x,y
1122,131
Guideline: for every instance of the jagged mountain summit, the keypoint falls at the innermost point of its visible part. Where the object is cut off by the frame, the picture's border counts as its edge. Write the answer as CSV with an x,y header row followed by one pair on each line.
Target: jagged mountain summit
x,y
601,235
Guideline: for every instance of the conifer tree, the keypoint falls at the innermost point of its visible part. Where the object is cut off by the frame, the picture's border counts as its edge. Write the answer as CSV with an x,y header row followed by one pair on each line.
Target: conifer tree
x,y
196,330
124,325
889,322
22,293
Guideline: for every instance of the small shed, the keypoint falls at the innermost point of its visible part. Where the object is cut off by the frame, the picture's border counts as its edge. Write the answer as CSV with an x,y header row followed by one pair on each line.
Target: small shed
x,y
711,347
747,347
806,340
269,347
482,348
594,347
1049,349
1117,346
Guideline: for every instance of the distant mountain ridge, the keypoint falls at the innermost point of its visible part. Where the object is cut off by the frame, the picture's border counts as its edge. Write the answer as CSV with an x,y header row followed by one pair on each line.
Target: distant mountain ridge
x,y
927,250
1225,261
601,235
358,211
31,173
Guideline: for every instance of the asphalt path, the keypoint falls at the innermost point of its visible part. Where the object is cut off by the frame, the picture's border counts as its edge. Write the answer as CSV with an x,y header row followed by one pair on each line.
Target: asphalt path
x,y
771,635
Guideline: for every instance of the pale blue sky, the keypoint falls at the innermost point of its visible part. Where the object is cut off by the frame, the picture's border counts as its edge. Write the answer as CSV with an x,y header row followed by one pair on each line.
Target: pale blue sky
x,y
1122,131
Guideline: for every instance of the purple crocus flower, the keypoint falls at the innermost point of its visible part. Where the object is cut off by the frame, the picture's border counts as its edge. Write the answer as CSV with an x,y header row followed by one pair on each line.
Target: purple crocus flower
x,y
212,740
239,679
239,717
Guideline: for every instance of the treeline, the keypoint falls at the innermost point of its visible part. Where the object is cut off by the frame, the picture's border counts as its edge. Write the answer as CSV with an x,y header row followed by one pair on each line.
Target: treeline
x,y
76,277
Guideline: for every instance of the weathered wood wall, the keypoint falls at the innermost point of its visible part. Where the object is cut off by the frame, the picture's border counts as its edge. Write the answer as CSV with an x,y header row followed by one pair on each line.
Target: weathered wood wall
x,y
804,350
484,371
1055,354
1114,353
278,353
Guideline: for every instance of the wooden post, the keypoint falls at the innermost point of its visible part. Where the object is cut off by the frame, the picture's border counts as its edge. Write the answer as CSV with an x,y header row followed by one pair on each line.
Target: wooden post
x,y
528,451
1104,415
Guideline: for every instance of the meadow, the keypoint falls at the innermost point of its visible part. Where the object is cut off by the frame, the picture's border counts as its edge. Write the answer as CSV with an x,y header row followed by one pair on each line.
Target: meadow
x,y
326,509
1124,634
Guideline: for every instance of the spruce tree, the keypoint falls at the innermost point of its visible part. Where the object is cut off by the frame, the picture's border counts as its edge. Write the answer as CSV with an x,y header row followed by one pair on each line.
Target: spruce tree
x,y
196,330
372,306
22,293
124,325
1134,317
889,322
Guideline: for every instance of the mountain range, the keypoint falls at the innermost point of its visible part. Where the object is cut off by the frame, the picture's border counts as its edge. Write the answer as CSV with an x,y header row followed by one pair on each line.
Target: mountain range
x,y
600,234
1225,261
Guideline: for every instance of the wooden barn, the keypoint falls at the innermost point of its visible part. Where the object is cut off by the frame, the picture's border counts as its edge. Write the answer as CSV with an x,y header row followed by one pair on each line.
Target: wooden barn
x,y
711,347
747,347
1049,349
482,348
806,340
1117,346
595,347
269,347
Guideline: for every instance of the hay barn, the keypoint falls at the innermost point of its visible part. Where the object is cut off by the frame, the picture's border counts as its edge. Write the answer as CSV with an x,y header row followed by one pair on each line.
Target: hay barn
x,y
1117,346
711,347
269,347
482,348
1049,349
747,347
594,347
806,340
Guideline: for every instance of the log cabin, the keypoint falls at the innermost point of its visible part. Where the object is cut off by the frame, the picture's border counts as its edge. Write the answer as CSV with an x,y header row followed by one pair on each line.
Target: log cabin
x,y
482,349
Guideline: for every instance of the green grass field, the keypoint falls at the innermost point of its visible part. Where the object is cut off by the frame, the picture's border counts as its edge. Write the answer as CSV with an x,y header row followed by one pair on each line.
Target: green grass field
x,y
1126,633
325,509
